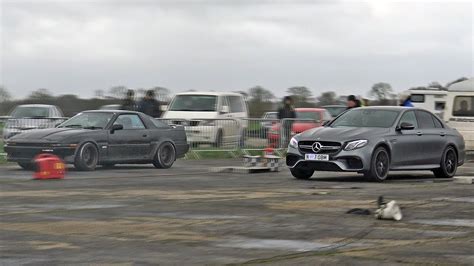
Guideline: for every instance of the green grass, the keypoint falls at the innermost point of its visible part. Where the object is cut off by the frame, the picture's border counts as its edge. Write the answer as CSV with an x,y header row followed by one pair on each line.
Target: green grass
x,y
2,158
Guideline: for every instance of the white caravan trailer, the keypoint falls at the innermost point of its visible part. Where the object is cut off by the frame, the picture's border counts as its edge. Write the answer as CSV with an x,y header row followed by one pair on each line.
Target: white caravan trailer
x,y
431,100
460,110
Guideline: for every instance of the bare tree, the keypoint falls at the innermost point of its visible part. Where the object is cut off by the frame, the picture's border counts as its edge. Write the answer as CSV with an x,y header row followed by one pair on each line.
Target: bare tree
x,y
41,94
381,91
260,100
327,98
301,96
118,91
4,94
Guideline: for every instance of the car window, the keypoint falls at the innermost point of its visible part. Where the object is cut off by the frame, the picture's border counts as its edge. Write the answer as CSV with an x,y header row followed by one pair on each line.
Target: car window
x,y
409,117
130,121
362,117
235,104
417,98
437,123
327,116
463,106
30,112
195,103
425,119
308,115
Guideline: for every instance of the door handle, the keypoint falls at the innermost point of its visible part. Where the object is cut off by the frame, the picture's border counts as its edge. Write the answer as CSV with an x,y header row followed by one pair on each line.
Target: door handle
x,y
144,135
442,134
419,133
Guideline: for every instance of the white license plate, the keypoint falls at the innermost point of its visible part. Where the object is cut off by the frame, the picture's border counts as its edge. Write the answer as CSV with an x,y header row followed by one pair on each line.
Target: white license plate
x,y
316,157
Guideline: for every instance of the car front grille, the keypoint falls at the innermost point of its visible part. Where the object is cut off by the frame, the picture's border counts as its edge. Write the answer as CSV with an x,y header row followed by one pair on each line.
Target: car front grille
x,y
326,147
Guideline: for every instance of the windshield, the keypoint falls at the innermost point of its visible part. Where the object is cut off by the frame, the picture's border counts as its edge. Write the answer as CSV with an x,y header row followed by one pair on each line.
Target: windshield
x,y
88,121
308,115
196,103
335,110
366,118
30,112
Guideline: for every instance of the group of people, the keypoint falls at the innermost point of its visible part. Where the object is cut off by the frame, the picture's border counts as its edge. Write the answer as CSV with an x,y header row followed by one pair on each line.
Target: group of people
x,y
147,105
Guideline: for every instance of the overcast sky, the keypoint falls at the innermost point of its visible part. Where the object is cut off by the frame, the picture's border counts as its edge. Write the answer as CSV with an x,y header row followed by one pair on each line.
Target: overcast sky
x,y
346,46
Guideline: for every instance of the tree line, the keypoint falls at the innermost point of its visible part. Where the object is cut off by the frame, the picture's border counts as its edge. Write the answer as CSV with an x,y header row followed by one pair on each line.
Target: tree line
x,y
259,99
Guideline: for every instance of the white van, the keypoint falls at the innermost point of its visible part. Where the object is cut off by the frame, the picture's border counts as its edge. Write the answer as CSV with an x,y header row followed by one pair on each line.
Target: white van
x,y
460,110
431,100
211,117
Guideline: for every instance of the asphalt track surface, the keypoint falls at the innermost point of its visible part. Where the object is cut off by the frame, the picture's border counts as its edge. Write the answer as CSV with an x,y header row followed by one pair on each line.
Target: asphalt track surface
x,y
138,215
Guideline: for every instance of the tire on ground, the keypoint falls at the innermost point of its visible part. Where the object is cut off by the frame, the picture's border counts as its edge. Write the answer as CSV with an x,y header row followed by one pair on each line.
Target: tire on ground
x,y
449,164
165,156
379,165
87,157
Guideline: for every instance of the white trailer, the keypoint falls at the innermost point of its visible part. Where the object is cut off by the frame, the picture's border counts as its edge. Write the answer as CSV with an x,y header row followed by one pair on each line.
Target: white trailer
x,y
459,112
431,100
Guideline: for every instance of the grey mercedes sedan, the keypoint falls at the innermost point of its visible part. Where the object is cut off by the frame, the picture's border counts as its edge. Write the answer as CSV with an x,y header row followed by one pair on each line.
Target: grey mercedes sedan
x,y
376,140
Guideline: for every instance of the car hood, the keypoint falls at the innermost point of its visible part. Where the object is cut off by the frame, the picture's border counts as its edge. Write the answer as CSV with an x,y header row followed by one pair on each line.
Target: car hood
x,y
50,134
189,115
342,134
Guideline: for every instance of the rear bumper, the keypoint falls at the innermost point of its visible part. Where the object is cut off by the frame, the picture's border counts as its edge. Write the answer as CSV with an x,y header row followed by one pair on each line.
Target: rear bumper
x,y
26,154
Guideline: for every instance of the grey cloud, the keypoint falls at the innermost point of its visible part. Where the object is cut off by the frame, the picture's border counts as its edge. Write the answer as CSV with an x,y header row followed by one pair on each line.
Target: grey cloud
x,y
77,47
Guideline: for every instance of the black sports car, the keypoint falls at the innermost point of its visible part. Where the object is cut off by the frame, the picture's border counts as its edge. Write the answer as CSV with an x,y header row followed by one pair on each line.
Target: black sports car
x,y
104,138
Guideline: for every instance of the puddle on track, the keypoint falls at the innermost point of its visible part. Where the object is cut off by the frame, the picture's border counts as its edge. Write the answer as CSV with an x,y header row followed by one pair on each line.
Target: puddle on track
x,y
278,244
447,222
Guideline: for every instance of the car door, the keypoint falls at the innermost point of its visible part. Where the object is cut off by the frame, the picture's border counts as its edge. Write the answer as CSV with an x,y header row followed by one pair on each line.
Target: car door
x,y
405,144
433,138
131,143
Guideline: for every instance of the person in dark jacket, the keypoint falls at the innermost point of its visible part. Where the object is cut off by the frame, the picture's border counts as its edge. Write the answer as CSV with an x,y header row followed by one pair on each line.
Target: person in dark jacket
x,y
129,102
149,105
352,102
285,114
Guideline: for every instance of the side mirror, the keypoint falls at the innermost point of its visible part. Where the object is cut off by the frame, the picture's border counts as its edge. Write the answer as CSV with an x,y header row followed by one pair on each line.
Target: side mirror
x,y
115,128
225,109
406,126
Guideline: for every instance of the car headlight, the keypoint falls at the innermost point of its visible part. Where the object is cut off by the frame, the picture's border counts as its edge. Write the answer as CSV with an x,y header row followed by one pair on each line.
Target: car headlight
x,y
293,143
356,144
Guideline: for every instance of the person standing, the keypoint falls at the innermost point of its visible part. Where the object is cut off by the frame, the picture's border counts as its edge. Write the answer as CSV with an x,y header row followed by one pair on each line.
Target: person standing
x,y
149,105
129,102
405,99
287,111
352,102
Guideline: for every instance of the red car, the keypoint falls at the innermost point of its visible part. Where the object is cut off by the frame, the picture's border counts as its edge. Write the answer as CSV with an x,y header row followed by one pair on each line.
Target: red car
x,y
310,118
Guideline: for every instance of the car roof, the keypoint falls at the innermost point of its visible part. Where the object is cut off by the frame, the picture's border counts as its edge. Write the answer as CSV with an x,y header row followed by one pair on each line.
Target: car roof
x,y
213,93
36,105
111,111
310,109
389,108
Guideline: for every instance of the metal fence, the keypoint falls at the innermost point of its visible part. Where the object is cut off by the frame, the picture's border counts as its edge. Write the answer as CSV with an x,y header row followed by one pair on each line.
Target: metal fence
x,y
11,126
240,135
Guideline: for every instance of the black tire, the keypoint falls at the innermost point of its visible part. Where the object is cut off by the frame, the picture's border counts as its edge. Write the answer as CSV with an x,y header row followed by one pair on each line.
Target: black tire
x,y
87,157
165,156
379,165
301,174
219,137
449,164
27,166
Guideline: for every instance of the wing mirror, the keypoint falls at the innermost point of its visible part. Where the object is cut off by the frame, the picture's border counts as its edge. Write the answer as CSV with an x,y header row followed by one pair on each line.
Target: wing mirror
x,y
406,126
116,127
225,109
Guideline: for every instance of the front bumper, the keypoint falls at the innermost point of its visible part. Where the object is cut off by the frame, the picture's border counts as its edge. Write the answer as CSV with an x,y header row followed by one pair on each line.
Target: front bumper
x,y
26,154
342,161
